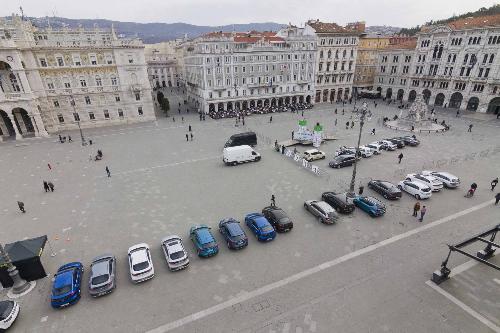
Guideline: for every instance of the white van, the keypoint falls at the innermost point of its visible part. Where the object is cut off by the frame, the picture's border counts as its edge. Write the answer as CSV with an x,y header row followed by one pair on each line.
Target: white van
x,y
240,154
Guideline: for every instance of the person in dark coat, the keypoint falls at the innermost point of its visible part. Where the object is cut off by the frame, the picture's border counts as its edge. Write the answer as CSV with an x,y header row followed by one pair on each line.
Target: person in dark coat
x,y
494,183
51,186
187,137
45,186
108,172
497,198
400,157
20,204
273,200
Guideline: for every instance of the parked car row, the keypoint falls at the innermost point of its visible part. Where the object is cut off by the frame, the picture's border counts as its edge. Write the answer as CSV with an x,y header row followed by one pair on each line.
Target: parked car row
x,y
66,288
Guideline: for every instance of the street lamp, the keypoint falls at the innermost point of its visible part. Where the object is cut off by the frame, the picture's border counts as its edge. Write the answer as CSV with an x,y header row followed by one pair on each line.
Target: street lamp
x,y
20,285
72,102
364,111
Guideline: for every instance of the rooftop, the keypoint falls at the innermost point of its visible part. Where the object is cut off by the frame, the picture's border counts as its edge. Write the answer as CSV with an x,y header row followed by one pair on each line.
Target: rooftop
x,y
325,27
404,45
469,22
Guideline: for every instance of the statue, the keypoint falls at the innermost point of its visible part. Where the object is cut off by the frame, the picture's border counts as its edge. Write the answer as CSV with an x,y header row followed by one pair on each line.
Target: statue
x,y
417,111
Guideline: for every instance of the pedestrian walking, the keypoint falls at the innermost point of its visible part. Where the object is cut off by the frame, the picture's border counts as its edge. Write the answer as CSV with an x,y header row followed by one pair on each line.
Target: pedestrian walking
x,y
497,198
494,183
90,157
422,213
347,125
108,172
200,116
373,131
90,142
182,120
45,186
302,113
271,119
191,136
458,113
51,186
361,189
343,111
400,157
187,137
470,128
173,119
20,204
335,122
205,119
60,138
416,208
50,167
273,200
189,128
69,138
283,149
335,110
179,109
352,124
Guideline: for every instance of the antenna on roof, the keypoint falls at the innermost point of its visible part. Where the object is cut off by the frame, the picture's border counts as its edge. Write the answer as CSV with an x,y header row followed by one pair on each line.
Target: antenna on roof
x,y
22,13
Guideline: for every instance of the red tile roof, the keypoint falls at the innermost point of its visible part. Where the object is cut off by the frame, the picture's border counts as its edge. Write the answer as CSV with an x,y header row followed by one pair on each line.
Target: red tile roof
x,y
407,45
247,37
323,27
470,22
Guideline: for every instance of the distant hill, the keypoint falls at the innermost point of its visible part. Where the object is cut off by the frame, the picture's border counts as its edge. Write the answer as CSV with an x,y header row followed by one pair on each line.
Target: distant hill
x,y
383,30
483,11
152,32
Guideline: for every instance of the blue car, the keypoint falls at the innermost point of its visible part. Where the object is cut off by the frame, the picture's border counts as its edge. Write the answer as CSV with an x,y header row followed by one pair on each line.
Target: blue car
x,y
370,205
66,289
260,226
203,240
233,234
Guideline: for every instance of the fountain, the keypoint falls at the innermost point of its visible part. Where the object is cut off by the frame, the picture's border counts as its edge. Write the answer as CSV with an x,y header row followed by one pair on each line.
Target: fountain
x,y
416,119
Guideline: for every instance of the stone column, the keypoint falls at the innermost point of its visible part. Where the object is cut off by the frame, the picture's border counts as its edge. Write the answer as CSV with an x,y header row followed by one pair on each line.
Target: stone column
x,y
39,125
13,121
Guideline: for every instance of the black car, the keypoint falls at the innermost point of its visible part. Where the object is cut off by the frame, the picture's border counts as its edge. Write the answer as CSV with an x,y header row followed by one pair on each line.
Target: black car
x,y
410,141
387,189
240,139
398,142
342,161
233,234
278,218
338,201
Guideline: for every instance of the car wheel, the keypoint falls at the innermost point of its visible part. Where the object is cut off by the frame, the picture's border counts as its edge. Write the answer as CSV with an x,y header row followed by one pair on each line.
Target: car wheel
x,y
417,196
370,186
320,220
400,187
228,245
305,206
323,157
234,163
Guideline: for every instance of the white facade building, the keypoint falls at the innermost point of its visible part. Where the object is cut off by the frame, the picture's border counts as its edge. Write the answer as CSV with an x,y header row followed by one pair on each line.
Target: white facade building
x,y
53,80
455,65
165,64
335,59
230,71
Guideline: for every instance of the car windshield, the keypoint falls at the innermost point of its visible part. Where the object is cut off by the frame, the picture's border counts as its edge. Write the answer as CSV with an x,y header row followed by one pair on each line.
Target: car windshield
x,y
5,309
100,279
62,290
140,266
176,255
426,189
267,228
284,220
208,245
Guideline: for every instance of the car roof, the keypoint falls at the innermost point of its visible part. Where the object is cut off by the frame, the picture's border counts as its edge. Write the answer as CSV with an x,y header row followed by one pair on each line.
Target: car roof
x,y
139,255
261,221
234,228
101,267
323,205
204,235
170,238
309,151
174,245
137,246
64,278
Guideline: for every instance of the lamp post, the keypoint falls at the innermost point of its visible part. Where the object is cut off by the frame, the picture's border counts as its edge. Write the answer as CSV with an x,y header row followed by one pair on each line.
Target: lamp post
x,y
72,102
20,285
364,111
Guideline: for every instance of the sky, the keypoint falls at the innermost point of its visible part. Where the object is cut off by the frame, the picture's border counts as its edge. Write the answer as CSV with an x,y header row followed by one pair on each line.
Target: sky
x,y
399,13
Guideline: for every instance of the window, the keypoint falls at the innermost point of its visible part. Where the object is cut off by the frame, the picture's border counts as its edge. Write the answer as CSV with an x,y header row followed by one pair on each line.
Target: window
x,y
91,116
120,113
487,72
98,81
61,118
76,116
109,59
93,59
492,56
117,98
60,61
137,96
50,84
106,114
139,111
83,83
130,59
43,62
87,100
56,103
114,81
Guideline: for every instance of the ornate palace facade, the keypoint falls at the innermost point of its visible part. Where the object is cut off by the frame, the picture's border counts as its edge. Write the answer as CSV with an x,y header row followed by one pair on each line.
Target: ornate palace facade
x,y
54,80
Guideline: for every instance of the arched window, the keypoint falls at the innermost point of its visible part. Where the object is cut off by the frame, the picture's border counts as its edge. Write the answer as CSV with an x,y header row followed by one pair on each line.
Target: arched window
x,y
344,54
492,56
321,54
98,81
329,54
434,53
440,52
133,78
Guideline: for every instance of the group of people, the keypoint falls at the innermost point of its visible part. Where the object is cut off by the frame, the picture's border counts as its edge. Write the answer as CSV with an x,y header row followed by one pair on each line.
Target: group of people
x,y
48,186
219,114
62,139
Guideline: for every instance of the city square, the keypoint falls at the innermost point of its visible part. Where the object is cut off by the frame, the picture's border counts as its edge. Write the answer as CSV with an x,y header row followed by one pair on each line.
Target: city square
x,y
361,274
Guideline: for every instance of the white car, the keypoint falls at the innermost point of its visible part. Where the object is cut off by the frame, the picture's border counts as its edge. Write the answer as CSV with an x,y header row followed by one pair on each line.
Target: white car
x,y
376,147
8,314
313,155
415,188
140,263
388,145
449,180
365,151
175,254
435,184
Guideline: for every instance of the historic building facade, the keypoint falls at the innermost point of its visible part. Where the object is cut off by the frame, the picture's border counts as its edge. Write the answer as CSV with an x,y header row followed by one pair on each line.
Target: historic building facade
x,y
335,59
54,80
454,65
229,71
165,64
366,61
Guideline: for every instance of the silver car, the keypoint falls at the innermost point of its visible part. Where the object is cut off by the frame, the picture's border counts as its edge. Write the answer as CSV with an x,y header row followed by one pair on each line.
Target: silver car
x,y
102,278
175,254
324,212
